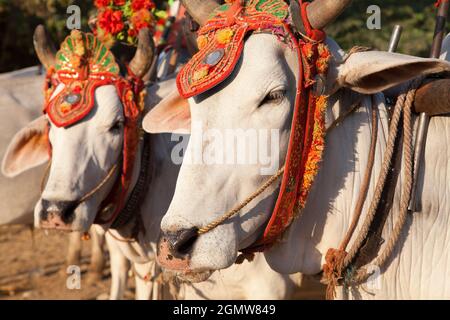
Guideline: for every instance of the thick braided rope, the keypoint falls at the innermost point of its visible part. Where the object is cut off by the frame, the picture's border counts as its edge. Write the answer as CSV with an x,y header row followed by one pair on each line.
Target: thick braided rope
x,y
380,261
335,258
393,131
234,211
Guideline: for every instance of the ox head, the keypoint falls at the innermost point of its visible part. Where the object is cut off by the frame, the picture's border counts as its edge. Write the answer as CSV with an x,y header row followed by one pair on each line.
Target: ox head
x,y
82,154
258,96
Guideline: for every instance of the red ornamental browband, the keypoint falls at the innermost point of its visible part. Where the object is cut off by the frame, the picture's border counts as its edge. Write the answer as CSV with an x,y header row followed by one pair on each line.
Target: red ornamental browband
x,y
75,101
221,41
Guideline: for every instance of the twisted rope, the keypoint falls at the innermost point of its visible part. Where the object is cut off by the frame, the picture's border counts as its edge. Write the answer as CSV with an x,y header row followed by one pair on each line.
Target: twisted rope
x,y
382,258
234,211
90,193
393,131
366,181
100,185
335,257
338,260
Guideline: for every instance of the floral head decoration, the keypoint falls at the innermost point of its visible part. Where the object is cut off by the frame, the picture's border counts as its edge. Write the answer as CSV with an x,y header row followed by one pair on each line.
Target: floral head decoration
x,y
121,20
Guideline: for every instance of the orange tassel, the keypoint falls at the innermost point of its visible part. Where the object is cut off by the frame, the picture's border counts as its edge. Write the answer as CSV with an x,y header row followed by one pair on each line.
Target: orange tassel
x,y
332,271
86,236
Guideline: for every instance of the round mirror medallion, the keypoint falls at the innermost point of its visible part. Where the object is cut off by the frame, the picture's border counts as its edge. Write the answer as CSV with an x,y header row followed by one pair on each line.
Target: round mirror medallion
x,y
73,98
214,57
319,85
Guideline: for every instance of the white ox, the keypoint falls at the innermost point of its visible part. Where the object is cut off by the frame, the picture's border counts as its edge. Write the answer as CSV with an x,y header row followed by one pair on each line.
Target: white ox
x,y
21,101
418,266
82,154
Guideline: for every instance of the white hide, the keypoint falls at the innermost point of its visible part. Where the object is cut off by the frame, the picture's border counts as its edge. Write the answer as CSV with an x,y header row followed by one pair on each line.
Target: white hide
x,y
21,101
249,280
419,265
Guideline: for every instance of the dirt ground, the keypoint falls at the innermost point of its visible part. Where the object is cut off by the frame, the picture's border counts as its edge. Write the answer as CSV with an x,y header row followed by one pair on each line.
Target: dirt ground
x,y
32,267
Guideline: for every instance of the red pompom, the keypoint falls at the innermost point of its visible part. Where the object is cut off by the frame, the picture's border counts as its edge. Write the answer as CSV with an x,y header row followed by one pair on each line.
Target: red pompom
x,y
111,21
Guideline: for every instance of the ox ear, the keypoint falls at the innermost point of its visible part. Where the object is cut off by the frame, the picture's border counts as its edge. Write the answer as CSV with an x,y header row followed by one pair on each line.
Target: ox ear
x,y
171,115
28,149
374,71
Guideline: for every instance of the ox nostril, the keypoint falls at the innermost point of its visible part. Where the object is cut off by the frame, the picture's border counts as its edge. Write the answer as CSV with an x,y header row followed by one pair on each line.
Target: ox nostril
x,y
64,209
183,242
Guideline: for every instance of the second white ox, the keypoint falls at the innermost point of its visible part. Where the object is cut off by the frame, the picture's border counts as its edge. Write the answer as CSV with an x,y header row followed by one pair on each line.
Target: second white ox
x,y
21,100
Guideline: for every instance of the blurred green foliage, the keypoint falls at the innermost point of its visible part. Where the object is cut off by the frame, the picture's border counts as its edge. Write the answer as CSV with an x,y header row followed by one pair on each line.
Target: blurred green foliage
x,y
416,17
18,18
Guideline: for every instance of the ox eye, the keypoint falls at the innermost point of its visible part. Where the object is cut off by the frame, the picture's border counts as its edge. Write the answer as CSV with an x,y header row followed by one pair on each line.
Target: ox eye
x,y
117,126
274,97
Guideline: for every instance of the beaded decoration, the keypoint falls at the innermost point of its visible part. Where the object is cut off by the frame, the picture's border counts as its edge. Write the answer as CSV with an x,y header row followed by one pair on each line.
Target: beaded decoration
x,y
221,41
82,64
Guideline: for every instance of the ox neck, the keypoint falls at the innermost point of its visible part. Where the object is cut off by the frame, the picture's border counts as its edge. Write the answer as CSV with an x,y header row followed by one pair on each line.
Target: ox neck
x,y
336,113
135,195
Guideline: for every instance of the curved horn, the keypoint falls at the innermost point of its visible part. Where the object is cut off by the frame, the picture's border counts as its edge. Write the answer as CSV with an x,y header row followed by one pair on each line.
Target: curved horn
x,y
295,13
200,10
44,47
323,12
143,59
92,23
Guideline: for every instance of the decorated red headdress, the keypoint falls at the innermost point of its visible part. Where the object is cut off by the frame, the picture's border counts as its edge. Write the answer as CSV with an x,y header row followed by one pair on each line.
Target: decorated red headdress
x,y
221,41
84,64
